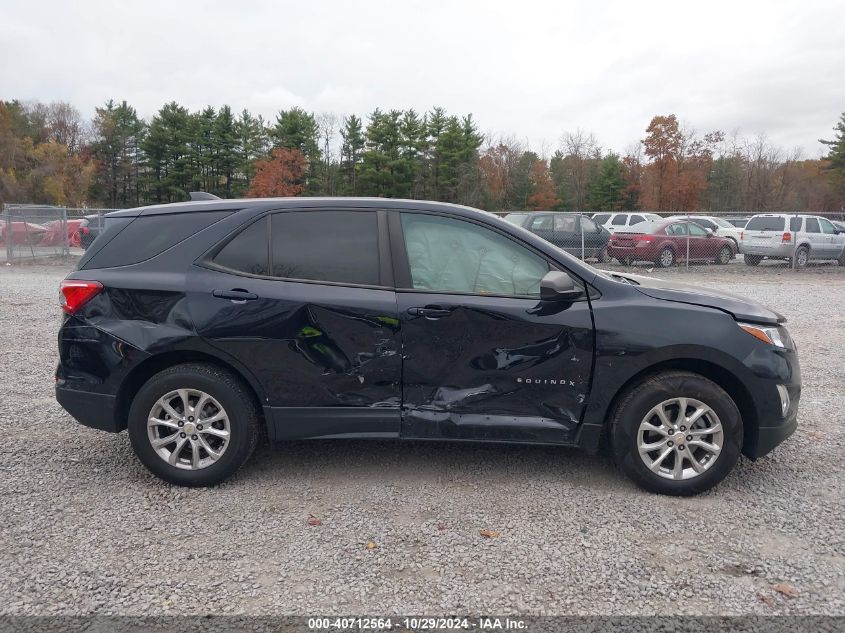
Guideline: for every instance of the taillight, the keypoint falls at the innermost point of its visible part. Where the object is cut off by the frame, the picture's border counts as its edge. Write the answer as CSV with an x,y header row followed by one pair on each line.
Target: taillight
x,y
84,230
75,293
787,237
741,236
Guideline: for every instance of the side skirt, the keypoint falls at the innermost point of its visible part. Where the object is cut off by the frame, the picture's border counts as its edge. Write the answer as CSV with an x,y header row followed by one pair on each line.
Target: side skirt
x,y
288,423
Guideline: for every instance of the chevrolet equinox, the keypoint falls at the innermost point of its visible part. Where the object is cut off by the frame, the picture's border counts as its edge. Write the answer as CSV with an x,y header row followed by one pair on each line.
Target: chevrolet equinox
x,y
200,326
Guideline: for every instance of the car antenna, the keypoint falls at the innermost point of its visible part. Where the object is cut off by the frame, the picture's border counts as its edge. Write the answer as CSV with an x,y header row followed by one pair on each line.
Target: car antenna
x,y
203,195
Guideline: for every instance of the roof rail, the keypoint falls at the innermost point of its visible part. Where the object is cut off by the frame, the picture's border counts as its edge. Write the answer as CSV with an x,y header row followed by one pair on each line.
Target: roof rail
x,y
202,195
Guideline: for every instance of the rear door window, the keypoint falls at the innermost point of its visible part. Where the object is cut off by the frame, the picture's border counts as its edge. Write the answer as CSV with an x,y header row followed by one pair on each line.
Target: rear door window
x,y
619,219
812,226
636,219
566,223
765,223
601,218
794,224
332,246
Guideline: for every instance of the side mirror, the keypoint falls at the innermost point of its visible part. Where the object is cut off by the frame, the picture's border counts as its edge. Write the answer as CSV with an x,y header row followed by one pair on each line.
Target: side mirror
x,y
709,232
559,286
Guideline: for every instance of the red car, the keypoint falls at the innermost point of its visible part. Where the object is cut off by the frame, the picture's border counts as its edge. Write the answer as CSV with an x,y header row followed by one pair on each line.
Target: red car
x,y
666,241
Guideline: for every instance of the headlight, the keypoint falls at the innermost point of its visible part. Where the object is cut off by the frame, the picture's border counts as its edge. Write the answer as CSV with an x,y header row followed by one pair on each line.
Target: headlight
x,y
772,335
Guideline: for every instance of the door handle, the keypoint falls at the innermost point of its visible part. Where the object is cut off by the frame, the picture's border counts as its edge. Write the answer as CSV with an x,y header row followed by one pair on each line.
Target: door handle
x,y
430,312
237,295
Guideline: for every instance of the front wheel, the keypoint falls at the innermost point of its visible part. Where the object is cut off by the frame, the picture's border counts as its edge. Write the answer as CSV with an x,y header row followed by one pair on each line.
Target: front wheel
x,y
193,424
676,433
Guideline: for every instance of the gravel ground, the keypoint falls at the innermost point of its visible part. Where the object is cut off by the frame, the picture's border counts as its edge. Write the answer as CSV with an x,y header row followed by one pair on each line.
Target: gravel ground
x,y
86,530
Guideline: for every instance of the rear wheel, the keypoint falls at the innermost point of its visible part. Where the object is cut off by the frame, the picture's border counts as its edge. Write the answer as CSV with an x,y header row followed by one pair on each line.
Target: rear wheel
x,y
603,256
676,433
666,258
752,260
802,256
193,424
725,255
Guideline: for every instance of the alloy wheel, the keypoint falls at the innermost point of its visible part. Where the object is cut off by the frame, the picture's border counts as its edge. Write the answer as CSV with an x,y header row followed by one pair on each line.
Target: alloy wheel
x,y
188,429
666,258
680,438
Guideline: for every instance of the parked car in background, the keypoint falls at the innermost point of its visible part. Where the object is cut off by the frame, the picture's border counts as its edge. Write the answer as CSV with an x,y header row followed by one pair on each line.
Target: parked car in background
x,y
737,221
666,241
719,226
839,226
564,231
53,236
90,228
621,221
21,233
786,235
201,326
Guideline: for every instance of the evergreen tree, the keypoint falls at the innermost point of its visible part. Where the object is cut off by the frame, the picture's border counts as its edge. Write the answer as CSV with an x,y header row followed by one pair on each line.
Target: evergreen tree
x,y
351,150
836,155
169,153
606,188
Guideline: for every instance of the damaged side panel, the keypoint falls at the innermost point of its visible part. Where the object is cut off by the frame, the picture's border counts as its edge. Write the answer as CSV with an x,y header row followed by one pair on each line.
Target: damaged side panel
x,y
495,368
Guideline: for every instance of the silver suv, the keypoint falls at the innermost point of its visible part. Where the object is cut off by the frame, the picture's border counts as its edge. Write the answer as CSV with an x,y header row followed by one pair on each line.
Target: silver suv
x,y
785,235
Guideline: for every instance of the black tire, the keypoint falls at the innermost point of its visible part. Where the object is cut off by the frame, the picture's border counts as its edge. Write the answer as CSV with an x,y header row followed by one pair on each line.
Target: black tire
x,y
803,253
752,260
603,257
725,255
228,390
666,258
841,260
640,399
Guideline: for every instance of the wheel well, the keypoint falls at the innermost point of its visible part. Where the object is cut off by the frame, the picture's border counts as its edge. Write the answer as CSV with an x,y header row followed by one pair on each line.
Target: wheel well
x,y
151,366
722,377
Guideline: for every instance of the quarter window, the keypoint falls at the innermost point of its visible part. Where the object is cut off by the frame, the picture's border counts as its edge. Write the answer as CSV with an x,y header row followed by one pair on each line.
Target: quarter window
x,y
450,255
542,223
247,252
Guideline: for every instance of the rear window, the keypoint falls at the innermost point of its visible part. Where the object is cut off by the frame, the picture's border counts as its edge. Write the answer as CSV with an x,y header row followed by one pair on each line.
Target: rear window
x,y
765,223
145,237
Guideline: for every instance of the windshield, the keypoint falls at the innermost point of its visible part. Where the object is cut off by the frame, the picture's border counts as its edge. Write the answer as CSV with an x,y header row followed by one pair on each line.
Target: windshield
x,y
516,218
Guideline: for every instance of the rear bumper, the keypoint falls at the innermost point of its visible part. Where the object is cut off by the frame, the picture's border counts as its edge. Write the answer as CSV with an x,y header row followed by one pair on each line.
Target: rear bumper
x,y
91,409
767,250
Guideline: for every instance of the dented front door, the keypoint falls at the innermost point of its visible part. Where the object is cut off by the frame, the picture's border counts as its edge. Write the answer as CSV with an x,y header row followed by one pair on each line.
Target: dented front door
x,y
493,368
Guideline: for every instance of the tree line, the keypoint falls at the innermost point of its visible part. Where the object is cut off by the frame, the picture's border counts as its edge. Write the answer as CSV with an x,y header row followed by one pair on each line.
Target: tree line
x,y
50,154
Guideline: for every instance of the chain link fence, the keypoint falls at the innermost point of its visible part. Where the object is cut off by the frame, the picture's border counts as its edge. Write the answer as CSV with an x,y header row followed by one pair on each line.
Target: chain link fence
x,y
644,241
32,232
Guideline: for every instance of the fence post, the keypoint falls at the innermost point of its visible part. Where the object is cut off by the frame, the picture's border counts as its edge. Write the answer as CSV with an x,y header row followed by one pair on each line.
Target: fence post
x,y
687,260
9,251
65,240
581,224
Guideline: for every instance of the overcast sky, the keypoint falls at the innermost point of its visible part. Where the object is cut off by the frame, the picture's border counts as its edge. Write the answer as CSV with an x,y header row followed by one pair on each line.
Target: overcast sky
x,y
525,69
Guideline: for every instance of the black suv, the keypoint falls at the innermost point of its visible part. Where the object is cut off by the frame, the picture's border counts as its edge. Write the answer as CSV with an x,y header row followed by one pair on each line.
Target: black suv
x,y
200,325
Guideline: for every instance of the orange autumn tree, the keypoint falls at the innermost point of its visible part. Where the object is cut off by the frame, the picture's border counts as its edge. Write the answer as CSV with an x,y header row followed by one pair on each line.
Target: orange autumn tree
x,y
279,176
542,188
